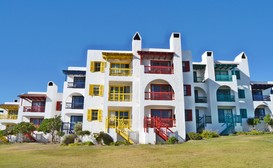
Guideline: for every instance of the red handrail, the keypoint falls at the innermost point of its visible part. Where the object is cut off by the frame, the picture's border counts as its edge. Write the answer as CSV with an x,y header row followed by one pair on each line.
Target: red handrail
x,y
159,95
158,69
34,109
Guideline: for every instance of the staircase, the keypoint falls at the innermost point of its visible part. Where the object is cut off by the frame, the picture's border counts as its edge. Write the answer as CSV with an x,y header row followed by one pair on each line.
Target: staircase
x,y
229,124
28,138
124,134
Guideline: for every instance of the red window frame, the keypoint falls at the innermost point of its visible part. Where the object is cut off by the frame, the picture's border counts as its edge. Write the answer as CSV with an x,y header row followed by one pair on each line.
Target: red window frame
x,y
187,90
188,115
186,66
59,106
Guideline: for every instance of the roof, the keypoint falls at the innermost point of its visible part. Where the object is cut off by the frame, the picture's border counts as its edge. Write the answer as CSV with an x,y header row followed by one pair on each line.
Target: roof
x,y
261,86
74,72
9,106
33,97
117,55
156,54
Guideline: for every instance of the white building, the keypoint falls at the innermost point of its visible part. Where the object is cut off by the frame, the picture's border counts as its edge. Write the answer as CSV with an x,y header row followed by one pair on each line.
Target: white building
x,y
147,95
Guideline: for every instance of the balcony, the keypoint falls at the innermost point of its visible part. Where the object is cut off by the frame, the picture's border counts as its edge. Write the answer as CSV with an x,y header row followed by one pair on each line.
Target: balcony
x,y
120,97
34,109
261,98
157,122
223,77
225,98
159,95
8,116
69,105
120,71
201,100
76,84
198,79
158,69
118,123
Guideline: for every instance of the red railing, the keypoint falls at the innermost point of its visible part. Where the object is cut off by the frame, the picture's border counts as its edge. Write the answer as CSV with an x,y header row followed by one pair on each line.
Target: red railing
x,y
158,69
159,95
157,122
34,109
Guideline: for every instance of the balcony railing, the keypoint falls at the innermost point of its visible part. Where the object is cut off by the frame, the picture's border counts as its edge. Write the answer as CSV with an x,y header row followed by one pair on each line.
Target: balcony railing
x,y
201,100
120,97
261,98
69,105
68,127
226,98
76,84
114,122
158,69
34,109
157,122
223,77
159,95
8,116
120,71
198,79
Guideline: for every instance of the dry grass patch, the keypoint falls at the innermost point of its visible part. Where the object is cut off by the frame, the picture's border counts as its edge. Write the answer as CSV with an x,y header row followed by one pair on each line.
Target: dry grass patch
x,y
231,151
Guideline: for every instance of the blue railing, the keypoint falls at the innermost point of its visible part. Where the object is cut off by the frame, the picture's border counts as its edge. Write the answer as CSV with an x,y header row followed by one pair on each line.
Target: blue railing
x,y
225,98
223,77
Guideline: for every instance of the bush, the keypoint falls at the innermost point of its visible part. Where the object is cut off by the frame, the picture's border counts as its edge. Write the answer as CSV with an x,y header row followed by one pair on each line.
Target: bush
x,y
172,140
209,134
103,138
88,143
69,139
252,132
194,136
3,140
118,143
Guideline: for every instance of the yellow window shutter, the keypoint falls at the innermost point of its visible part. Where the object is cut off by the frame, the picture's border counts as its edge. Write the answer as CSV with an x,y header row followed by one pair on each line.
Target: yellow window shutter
x,y
101,90
89,114
91,90
92,66
100,115
102,66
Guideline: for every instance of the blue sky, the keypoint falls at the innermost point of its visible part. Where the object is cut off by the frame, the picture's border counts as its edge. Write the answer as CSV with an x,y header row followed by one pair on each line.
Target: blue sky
x,y
38,39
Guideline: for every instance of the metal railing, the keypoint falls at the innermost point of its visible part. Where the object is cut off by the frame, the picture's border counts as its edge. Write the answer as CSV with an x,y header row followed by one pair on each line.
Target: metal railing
x,y
8,116
225,98
69,105
198,79
223,77
120,97
201,100
159,95
34,109
120,71
114,122
158,69
261,98
157,122
75,84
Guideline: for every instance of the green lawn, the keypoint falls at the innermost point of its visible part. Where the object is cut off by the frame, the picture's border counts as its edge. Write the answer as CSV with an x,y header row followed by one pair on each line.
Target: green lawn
x,y
230,151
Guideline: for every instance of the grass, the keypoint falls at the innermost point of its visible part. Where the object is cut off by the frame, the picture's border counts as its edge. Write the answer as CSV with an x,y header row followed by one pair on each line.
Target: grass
x,y
229,151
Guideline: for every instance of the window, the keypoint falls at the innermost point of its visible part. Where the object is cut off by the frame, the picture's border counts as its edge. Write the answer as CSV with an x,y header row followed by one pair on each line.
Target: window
x,y
187,90
59,106
186,66
161,113
225,115
119,93
1,111
243,113
237,73
36,121
77,102
188,115
95,90
260,113
97,66
241,93
94,115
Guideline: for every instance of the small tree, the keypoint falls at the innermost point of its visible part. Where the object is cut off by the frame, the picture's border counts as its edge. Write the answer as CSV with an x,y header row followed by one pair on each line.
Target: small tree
x,y
268,120
24,128
51,126
253,122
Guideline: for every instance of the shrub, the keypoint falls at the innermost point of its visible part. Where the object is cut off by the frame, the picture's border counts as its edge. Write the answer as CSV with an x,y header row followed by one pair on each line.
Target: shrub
x,y
253,122
3,140
194,136
88,143
118,143
69,139
172,140
209,134
103,138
